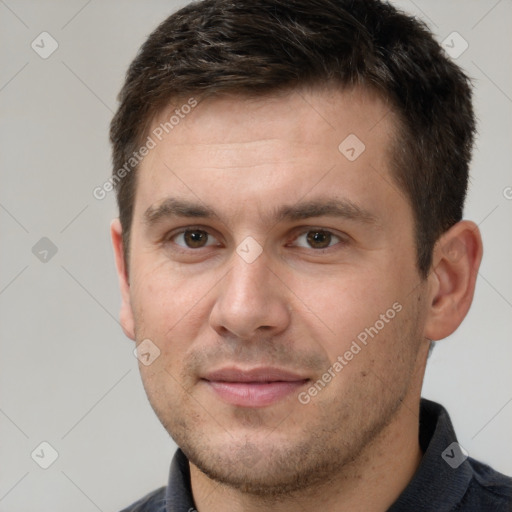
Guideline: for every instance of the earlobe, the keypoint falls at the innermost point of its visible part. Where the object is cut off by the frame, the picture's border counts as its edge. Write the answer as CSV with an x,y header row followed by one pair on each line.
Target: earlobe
x,y
456,260
126,313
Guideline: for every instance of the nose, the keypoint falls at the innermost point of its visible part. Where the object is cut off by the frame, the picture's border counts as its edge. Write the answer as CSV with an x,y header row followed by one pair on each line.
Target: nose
x,y
251,301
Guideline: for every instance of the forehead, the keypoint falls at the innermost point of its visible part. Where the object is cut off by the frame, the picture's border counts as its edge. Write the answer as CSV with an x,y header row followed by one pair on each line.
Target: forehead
x,y
283,146
302,112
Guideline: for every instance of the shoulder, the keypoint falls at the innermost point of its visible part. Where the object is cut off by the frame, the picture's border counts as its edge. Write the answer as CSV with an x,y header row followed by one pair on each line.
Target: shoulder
x,y
488,490
152,502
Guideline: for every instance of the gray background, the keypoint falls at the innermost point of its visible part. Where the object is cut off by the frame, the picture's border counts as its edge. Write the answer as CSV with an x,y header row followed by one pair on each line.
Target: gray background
x,y
68,375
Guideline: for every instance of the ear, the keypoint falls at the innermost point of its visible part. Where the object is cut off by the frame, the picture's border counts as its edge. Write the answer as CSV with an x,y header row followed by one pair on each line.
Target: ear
x,y
126,314
456,259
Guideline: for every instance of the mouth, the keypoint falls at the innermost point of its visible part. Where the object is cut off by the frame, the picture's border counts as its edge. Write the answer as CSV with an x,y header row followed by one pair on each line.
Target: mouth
x,y
255,387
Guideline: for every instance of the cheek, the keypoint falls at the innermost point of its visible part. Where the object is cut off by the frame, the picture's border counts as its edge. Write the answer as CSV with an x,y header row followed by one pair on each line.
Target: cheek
x,y
161,300
169,312
344,306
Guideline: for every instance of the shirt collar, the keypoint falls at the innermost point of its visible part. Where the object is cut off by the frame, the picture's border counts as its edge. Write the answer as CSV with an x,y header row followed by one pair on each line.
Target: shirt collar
x,y
436,485
178,495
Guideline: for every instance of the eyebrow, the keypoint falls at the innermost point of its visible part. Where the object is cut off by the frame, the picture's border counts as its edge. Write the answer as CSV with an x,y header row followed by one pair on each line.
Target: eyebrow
x,y
172,207
328,208
344,208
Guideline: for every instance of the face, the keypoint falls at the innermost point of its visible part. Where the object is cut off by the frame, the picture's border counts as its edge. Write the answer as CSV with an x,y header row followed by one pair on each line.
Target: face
x,y
273,266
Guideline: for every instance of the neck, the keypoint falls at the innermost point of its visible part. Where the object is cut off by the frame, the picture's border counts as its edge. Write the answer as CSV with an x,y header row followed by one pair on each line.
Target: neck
x,y
371,482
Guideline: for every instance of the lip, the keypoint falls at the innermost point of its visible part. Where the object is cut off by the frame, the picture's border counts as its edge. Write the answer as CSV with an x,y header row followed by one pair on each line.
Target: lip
x,y
254,387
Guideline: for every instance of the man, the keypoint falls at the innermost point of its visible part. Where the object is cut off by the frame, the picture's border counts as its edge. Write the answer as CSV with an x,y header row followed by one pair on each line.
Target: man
x,y
290,177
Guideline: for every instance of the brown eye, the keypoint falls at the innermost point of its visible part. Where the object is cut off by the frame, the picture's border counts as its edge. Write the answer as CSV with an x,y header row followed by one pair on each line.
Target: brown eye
x,y
319,239
193,238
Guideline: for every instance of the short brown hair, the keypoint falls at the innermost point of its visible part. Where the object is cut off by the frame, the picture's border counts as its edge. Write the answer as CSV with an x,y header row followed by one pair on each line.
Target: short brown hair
x,y
257,47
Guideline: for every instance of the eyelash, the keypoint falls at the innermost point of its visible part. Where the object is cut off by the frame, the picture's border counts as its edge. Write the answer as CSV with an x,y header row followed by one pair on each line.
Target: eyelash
x,y
342,238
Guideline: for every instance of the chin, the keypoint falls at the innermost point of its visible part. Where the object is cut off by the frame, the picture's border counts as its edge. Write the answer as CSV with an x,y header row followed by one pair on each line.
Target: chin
x,y
272,470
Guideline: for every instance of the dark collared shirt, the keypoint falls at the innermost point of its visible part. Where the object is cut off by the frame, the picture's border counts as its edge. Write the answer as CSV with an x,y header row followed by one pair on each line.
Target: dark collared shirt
x,y
446,480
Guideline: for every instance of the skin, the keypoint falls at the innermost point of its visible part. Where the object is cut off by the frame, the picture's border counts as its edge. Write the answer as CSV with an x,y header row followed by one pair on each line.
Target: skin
x,y
354,446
